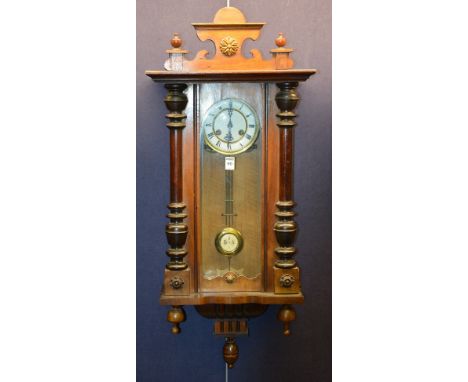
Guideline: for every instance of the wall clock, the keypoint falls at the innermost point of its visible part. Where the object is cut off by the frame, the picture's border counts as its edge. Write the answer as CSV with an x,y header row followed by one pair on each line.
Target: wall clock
x,y
231,226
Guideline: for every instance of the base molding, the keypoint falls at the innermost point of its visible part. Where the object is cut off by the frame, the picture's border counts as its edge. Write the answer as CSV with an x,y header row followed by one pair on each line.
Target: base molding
x,y
264,298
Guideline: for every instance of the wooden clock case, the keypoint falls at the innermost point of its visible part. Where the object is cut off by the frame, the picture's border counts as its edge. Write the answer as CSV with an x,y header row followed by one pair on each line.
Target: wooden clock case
x,y
279,283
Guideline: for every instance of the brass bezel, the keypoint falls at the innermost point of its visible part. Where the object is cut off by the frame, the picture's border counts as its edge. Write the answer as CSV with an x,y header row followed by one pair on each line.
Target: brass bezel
x,y
254,137
232,231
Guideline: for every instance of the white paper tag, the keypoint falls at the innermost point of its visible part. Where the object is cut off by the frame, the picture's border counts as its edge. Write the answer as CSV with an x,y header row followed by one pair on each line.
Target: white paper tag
x,y
229,163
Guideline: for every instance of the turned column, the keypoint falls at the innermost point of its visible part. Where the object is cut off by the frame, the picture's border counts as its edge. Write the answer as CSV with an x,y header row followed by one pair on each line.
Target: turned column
x,y
285,227
176,229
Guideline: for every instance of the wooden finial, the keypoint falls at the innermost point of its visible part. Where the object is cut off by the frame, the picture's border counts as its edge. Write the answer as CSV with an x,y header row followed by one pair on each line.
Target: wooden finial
x,y
281,54
175,316
176,41
230,352
176,55
280,40
286,314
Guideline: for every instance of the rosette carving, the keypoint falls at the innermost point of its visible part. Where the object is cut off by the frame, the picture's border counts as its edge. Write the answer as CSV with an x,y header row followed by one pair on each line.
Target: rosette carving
x,y
229,46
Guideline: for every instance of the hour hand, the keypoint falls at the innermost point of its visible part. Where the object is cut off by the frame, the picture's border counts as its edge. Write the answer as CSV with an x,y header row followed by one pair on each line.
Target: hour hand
x,y
229,136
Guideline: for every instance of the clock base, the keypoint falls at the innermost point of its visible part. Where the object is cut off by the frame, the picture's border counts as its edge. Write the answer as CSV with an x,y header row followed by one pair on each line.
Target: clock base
x,y
264,298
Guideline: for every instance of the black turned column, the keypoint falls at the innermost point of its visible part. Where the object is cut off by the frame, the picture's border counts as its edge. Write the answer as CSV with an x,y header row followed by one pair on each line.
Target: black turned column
x,y
285,227
176,230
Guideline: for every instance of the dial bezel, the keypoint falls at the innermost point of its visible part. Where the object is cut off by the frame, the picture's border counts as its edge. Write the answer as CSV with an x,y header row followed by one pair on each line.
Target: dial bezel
x,y
216,106
229,231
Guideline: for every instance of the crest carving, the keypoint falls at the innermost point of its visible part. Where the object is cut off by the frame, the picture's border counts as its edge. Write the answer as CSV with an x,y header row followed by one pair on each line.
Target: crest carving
x,y
228,32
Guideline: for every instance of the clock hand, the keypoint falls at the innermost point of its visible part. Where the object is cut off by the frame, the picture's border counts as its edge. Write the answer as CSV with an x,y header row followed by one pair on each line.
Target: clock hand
x,y
229,136
230,113
230,110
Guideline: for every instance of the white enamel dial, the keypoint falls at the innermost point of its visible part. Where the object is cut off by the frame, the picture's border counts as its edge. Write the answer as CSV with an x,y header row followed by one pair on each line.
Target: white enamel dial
x,y
229,243
231,126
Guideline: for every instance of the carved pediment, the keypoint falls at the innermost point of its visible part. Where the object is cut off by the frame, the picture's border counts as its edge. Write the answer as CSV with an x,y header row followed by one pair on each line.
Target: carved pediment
x,y
228,32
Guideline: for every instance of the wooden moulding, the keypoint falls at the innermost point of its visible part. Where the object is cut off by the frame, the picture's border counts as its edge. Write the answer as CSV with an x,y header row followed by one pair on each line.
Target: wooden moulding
x,y
231,76
233,298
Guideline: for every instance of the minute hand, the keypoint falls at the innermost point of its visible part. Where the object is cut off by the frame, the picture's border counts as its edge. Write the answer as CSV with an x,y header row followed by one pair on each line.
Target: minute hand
x,y
230,118
229,134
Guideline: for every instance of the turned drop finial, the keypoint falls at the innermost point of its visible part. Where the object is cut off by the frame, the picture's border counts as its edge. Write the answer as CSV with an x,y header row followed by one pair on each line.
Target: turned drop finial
x,y
230,352
280,40
175,316
176,41
286,314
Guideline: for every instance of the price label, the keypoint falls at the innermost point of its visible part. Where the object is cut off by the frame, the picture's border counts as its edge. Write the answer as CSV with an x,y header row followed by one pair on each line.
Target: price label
x,y
229,163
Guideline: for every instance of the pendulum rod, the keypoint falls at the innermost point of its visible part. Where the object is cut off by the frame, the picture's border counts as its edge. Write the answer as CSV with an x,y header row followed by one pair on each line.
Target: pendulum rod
x,y
229,202
229,198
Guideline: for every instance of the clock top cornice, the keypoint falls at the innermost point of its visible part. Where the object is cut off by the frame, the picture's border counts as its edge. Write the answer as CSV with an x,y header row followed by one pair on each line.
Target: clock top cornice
x,y
228,31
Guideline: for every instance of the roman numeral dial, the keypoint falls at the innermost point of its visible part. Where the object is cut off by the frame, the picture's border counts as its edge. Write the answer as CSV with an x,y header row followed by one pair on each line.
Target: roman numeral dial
x,y
231,126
